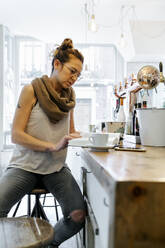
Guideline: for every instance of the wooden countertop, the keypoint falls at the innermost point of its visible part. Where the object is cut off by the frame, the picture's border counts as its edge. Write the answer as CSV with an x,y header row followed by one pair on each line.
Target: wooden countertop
x,y
128,165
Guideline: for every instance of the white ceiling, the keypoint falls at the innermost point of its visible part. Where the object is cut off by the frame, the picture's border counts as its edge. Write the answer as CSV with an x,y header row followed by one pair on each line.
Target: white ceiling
x,y
52,21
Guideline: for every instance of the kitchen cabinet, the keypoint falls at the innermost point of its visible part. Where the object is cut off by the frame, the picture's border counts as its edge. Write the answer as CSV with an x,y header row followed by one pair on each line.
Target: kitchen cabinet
x,y
97,199
74,162
124,192
96,232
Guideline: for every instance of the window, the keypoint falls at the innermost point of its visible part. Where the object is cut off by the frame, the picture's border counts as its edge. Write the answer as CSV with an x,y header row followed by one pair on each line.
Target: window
x,y
82,113
99,61
103,66
93,105
31,60
8,88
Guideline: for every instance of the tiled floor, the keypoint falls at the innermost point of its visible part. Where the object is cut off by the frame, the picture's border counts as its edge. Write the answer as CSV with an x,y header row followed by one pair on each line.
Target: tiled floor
x,y
50,212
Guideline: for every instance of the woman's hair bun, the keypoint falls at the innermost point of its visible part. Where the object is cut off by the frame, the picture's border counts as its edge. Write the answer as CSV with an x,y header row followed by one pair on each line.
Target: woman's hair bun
x,y
66,44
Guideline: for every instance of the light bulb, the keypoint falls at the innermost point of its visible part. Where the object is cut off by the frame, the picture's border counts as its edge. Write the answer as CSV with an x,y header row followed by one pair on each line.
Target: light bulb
x,y
92,24
122,42
86,73
86,67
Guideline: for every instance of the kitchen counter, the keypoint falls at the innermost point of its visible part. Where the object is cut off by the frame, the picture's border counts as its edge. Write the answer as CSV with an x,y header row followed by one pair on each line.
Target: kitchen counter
x,y
135,185
128,165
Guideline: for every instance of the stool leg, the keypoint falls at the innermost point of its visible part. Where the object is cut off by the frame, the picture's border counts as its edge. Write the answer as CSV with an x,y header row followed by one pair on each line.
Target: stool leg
x,y
44,199
38,210
55,205
56,209
42,213
18,204
29,205
35,211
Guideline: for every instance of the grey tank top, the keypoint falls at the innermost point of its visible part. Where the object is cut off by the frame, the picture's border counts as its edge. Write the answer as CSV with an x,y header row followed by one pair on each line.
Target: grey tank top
x,y
40,127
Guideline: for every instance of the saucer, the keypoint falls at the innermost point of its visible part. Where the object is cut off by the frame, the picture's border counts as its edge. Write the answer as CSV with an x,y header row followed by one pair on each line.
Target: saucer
x,y
84,142
101,148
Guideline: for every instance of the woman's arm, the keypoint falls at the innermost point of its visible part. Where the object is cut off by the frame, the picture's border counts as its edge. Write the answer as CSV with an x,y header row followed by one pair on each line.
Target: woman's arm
x,y
21,118
73,133
72,126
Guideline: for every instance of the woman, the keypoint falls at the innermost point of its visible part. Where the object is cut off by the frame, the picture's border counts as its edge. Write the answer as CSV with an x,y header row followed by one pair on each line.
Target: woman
x,y
42,127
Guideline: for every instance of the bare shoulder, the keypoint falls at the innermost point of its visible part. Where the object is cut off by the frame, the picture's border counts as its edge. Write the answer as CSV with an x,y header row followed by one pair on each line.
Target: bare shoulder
x,y
28,89
27,96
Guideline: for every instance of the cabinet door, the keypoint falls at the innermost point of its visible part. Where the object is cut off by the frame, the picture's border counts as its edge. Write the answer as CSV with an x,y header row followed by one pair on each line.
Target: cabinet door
x,y
96,233
74,163
98,209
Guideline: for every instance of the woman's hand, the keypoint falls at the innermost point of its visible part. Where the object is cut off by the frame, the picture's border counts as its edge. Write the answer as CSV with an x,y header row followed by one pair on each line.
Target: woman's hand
x,y
75,135
63,143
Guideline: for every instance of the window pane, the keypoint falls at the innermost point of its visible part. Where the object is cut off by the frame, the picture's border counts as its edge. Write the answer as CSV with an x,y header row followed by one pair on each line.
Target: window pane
x,y
31,60
99,60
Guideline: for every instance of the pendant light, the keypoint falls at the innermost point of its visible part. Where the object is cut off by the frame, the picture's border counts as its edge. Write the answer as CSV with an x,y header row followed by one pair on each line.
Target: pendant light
x,y
92,24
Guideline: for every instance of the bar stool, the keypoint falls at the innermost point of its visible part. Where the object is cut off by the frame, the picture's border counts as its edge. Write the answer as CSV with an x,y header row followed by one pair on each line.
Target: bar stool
x,y
25,232
38,209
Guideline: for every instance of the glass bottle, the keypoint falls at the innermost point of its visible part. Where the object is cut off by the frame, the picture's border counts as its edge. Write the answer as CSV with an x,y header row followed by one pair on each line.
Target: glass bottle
x,y
129,126
144,104
116,108
120,87
125,83
121,113
135,120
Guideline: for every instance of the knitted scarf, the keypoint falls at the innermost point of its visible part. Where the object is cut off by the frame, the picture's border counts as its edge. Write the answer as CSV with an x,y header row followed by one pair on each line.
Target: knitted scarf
x,y
55,106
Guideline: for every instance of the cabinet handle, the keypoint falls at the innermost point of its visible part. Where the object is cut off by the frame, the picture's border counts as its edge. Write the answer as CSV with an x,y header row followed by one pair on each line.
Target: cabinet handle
x,y
84,178
105,203
85,171
90,211
92,217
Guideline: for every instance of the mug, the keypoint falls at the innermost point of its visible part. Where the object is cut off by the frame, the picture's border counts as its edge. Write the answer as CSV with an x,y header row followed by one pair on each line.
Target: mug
x,y
99,139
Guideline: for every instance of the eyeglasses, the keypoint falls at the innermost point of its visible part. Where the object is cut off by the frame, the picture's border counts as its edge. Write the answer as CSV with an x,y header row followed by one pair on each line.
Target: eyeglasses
x,y
73,71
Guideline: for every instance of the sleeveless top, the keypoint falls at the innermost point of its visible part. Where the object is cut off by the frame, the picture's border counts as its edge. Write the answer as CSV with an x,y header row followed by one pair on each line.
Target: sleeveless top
x,y
40,127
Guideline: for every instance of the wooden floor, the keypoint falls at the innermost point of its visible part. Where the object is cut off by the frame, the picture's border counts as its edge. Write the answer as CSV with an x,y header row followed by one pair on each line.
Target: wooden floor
x,y
50,212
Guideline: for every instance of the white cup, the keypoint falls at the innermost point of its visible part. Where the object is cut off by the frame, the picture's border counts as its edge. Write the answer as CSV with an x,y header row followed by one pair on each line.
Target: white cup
x,y
99,139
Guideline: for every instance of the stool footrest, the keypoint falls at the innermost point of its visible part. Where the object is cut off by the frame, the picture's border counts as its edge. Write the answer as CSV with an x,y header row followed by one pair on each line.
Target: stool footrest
x,y
38,209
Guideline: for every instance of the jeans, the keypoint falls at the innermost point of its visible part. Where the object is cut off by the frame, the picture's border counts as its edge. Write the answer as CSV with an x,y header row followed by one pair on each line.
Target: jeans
x,y
17,182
